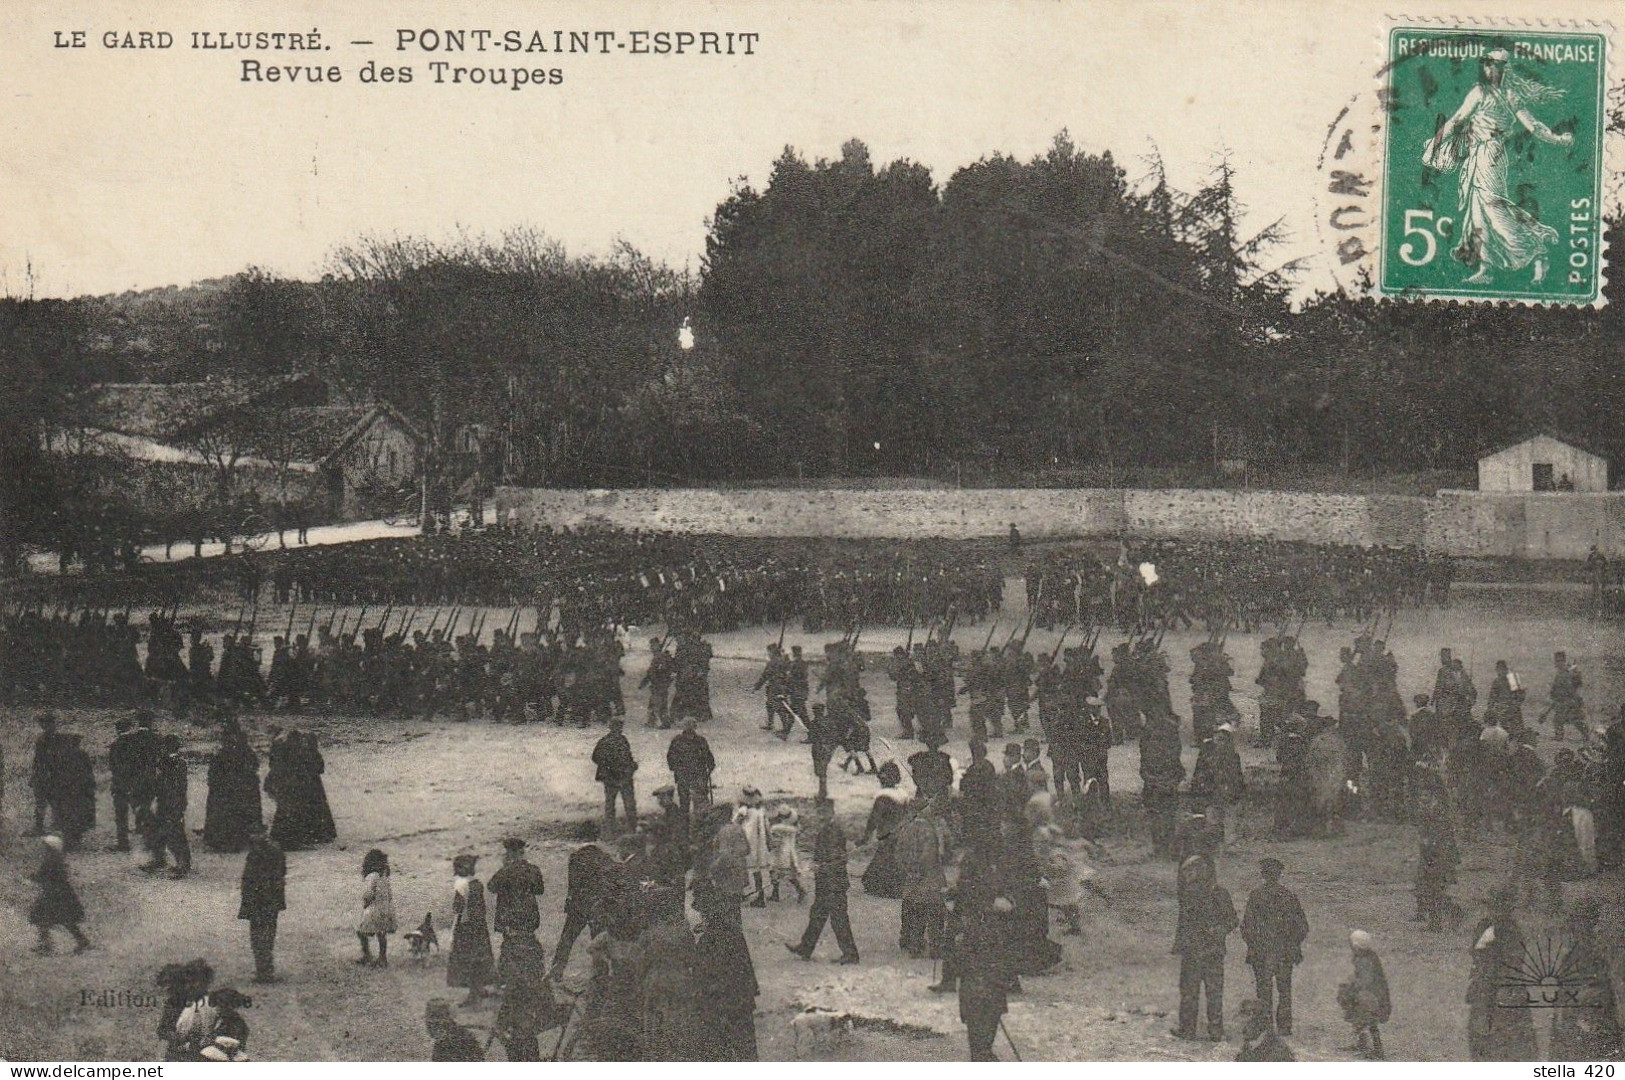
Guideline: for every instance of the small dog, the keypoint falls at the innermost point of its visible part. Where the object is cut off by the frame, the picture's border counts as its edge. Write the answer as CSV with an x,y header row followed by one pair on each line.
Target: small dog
x,y
820,1027
423,940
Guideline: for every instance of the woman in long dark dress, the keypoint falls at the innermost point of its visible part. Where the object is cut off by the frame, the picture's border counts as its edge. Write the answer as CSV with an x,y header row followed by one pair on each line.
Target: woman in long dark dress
x,y
728,991
471,963
303,818
319,813
883,877
281,785
233,810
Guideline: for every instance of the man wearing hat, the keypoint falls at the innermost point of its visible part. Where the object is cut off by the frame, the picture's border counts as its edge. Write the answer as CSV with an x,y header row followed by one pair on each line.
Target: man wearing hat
x,y
1014,790
670,858
1274,927
1097,739
44,772
516,886
932,769
264,898
616,766
1216,781
830,884
126,779
452,1041
1429,739
691,763
1206,917
981,958
1259,1040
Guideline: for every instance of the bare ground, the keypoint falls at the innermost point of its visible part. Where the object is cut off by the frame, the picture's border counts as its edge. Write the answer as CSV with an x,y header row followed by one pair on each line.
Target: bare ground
x,y
424,791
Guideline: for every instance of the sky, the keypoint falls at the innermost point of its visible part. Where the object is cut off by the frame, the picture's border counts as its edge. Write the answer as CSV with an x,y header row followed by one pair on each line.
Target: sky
x,y
135,168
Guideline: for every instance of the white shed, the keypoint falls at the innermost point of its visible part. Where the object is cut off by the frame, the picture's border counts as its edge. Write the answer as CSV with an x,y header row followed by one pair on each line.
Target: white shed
x,y
1542,463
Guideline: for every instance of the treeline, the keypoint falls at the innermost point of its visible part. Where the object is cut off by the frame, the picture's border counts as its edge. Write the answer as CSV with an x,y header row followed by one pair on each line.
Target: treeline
x,y
854,319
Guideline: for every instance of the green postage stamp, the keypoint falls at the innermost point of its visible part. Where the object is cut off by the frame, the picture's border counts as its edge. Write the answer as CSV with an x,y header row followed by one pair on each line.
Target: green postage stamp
x,y
1493,164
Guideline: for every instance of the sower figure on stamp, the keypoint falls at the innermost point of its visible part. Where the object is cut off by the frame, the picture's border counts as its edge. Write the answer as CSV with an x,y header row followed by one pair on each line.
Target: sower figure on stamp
x,y
1496,232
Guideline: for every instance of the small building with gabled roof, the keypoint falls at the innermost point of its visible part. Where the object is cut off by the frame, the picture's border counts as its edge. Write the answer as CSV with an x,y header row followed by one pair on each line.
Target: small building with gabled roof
x,y
1542,463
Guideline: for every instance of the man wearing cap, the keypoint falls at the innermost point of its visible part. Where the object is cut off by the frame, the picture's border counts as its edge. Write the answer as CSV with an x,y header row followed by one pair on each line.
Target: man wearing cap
x,y
616,766
691,762
658,679
264,898
516,887
670,858
830,883
1206,917
775,680
1567,707
931,768
1429,739
45,770
1274,927
1216,781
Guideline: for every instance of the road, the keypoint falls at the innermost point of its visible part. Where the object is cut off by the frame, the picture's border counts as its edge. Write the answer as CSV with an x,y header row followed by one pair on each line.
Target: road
x,y
49,562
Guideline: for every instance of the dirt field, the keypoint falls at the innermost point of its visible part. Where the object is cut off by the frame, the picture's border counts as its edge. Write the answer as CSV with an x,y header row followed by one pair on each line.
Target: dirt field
x,y
422,791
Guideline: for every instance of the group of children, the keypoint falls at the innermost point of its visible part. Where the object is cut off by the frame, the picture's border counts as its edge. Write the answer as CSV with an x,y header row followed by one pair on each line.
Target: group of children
x,y
774,860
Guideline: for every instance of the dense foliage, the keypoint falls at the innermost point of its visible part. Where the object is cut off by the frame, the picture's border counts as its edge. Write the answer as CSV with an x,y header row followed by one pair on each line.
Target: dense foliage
x,y
852,319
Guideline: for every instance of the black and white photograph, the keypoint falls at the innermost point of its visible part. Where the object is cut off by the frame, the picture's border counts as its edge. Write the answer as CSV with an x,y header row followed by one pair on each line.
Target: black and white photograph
x,y
872,531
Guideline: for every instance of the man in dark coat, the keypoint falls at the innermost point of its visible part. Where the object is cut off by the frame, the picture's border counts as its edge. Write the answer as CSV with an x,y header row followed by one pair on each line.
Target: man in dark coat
x,y
169,815
75,799
516,886
982,962
45,770
126,780
691,762
1274,928
830,884
1216,781
670,854
1206,917
979,793
594,885
616,766
932,770
264,889
823,733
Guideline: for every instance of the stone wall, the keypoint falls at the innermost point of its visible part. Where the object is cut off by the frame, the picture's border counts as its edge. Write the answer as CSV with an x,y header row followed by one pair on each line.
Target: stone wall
x,y
1463,523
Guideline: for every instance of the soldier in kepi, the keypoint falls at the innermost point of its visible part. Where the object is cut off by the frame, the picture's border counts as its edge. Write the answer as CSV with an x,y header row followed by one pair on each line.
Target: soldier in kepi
x,y
1566,708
